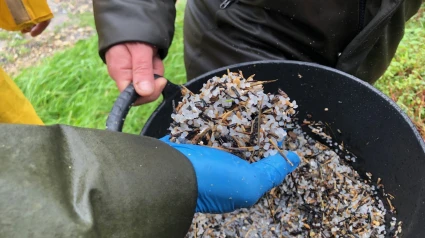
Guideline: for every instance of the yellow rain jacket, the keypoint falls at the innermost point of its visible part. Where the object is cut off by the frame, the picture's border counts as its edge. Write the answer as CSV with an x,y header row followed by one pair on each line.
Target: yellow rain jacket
x,y
16,15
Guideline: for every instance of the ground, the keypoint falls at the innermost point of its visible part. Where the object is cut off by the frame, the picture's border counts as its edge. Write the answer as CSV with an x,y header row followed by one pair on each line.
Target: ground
x,y
62,75
70,25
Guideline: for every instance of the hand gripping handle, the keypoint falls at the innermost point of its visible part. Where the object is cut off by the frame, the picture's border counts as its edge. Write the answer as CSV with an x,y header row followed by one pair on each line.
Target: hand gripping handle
x,y
125,100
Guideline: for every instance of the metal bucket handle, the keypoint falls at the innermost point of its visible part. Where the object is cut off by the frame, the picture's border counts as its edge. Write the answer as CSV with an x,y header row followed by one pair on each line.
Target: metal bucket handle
x,y
125,100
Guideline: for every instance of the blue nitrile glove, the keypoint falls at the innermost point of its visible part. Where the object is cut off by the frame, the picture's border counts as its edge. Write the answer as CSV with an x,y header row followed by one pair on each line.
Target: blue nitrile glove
x,y
227,182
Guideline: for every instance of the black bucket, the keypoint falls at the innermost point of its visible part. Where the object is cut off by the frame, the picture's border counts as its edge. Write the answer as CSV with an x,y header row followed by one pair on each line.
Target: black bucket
x,y
373,127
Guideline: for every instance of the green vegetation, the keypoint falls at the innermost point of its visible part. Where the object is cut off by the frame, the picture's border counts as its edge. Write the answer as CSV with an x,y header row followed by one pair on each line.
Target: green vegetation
x,y
404,79
73,86
4,35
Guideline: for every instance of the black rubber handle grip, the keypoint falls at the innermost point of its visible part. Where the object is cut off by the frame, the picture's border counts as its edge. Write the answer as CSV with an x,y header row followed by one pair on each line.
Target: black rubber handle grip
x,y
125,100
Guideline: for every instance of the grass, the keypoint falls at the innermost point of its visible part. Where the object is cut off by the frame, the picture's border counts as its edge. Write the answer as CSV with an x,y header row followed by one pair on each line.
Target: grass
x,y
17,42
73,86
5,57
4,35
404,79
85,19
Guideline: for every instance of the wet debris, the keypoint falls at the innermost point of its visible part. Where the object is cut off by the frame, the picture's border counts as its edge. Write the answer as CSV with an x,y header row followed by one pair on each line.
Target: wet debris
x,y
324,197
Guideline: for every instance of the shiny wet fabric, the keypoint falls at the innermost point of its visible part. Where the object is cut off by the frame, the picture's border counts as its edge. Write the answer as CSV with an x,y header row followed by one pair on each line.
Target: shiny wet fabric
x,y
61,181
357,37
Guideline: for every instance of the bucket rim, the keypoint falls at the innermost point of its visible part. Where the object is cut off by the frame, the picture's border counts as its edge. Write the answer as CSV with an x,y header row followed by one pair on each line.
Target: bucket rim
x,y
327,68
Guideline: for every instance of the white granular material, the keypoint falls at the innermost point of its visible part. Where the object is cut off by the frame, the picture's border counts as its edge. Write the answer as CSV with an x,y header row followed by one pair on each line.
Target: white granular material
x,y
323,197
230,106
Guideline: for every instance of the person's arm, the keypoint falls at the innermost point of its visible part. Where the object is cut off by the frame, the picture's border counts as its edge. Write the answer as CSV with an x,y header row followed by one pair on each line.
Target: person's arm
x,y
146,21
61,181
26,16
134,38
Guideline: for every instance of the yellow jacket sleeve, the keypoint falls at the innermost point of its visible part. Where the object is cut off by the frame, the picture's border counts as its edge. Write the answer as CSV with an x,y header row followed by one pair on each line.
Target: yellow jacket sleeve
x,y
16,15
14,106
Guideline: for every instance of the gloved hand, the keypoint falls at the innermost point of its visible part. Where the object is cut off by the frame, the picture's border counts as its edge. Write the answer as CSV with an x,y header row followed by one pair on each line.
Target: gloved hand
x,y
227,182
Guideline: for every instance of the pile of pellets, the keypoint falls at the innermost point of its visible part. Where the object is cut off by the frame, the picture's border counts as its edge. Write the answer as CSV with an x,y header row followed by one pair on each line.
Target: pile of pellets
x,y
323,197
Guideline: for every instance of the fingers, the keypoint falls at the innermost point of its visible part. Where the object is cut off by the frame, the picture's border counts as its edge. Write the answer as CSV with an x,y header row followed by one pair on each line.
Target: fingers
x,y
159,84
119,64
137,63
142,61
39,28
158,66
26,30
273,169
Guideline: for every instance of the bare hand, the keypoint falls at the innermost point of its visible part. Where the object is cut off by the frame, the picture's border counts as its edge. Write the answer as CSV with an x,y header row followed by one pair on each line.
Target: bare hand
x,y
137,63
37,29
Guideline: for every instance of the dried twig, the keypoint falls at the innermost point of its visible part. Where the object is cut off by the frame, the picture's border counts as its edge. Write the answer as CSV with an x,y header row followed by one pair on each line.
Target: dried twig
x,y
281,152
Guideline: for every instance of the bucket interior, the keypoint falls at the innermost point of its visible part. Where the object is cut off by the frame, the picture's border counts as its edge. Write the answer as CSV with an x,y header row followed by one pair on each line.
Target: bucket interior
x,y
372,126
